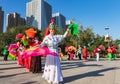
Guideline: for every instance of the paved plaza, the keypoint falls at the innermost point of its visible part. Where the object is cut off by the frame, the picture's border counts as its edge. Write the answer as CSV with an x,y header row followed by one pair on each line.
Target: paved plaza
x,y
74,72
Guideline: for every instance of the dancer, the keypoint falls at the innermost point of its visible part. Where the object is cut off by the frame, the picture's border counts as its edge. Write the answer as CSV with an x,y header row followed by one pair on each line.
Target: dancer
x,y
21,50
85,53
109,53
35,61
97,51
5,53
52,70
114,52
72,51
13,51
36,65
79,52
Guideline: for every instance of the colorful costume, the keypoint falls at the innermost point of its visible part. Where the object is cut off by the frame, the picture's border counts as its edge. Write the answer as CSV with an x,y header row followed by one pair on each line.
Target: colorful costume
x,y
114,52
21,50
85,53
71,51
97,50
30,33
109,51
12,51
52,69
5,53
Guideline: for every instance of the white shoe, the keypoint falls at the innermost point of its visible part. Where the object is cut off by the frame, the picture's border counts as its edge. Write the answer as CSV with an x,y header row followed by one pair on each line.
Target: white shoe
x,y
50,82
55,83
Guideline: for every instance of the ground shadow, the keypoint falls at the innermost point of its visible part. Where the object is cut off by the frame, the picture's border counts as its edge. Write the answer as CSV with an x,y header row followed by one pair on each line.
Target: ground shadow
x,y
6,76
31,82
8,68
88,74
71,65
8,63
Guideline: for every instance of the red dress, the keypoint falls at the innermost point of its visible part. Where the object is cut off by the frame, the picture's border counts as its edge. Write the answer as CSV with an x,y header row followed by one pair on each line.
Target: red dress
x,y
20,59
85,54
27,62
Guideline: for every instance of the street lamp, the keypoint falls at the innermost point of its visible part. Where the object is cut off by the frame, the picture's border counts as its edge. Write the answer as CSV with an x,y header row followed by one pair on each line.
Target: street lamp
x,y
107,29
107,37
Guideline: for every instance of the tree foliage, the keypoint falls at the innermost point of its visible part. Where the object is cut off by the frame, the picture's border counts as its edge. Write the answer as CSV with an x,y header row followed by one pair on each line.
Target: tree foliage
x,y
8,37
85,37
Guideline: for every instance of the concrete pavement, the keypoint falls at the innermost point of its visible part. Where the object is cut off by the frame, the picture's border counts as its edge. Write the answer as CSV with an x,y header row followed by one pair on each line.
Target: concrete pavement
x,y
74,72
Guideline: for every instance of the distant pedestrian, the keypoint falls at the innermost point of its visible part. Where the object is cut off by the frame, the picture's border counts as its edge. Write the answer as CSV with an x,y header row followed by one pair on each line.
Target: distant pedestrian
x,y
79,52
97,51
68,54
85,53
5,53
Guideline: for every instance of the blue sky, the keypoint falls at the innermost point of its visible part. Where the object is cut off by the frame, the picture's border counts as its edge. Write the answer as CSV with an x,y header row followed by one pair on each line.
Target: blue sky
x,y
97,14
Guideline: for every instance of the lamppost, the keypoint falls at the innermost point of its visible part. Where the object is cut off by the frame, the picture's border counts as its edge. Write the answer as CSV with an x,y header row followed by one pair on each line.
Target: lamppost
x,y
107,29
107,37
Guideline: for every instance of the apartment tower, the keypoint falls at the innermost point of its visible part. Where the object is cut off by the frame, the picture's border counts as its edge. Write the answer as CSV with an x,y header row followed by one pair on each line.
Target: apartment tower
x,y
60,20
14,20
38,14
1,19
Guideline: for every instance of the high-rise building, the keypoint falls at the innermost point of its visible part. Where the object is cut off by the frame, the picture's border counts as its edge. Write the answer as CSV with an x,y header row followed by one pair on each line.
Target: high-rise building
x,y
38,13
60,20
1,19
68,23
14,20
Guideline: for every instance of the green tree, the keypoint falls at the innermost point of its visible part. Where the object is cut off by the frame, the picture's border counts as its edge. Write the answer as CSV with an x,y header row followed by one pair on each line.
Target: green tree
x,y
8,37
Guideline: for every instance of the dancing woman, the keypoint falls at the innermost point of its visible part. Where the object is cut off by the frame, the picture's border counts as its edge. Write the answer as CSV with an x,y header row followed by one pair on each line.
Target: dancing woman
x,y
52,70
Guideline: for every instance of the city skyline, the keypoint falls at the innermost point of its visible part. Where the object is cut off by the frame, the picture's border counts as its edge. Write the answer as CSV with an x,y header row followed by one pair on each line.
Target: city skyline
x,y
96,14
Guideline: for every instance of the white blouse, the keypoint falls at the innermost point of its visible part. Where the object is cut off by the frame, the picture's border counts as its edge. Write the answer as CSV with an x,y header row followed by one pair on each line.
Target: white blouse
x,y
52,41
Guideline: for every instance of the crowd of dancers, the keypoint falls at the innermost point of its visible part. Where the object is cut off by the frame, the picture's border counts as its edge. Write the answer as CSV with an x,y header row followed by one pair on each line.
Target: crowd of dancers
x,y
82,53
29,48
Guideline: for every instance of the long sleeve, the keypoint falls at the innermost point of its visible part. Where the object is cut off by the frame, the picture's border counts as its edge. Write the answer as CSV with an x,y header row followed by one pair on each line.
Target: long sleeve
x,y
44,42
61,37
65,34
